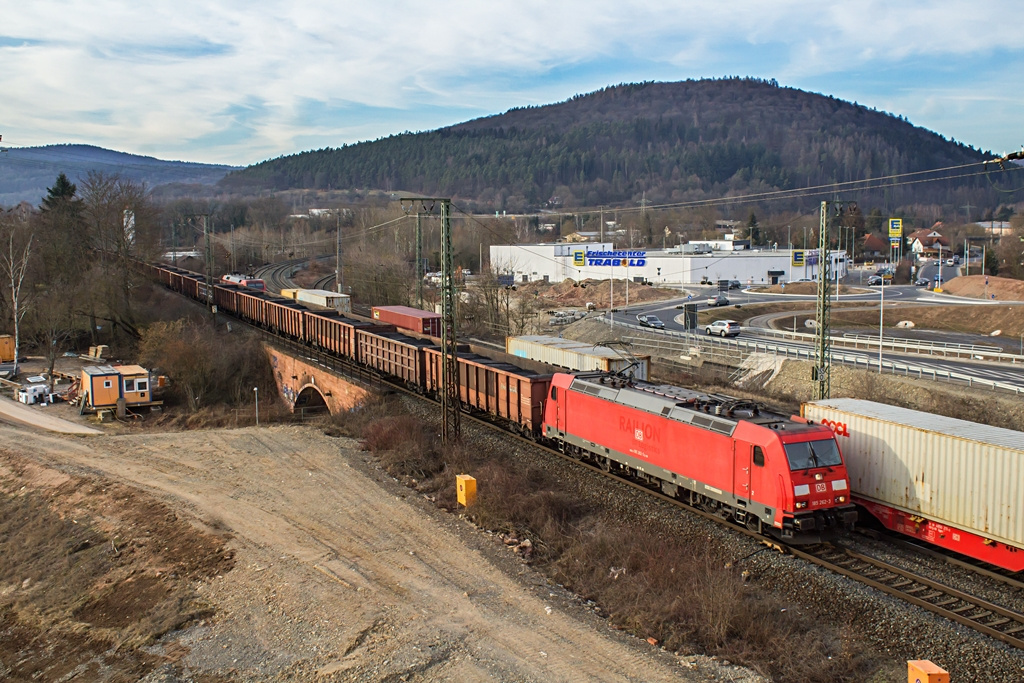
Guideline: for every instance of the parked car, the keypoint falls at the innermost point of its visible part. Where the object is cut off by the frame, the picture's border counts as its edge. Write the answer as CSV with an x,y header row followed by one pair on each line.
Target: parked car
x,y
922,282
718,300
650,321
723,328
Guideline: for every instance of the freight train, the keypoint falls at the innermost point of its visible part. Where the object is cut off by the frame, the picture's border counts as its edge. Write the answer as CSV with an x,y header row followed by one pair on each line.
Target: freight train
x,y
782,476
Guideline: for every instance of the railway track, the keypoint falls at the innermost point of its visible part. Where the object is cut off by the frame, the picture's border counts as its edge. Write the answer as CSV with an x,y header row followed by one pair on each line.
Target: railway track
x,y
1012,579
950,603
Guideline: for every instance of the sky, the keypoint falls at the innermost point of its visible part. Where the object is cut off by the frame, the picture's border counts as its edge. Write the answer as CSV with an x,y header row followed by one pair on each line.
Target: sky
x,y
225,81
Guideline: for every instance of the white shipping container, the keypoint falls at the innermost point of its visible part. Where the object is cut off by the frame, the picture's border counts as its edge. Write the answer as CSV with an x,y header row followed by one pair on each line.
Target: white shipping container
x,y
325,299
963,474
574,355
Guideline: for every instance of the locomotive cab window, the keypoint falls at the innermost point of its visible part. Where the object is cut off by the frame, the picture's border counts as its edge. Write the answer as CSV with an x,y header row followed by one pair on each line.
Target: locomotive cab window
x,y
758,456
811,454
554,393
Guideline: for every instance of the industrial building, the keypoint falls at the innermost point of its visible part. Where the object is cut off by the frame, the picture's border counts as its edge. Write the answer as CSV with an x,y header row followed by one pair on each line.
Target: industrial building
x,y
682,265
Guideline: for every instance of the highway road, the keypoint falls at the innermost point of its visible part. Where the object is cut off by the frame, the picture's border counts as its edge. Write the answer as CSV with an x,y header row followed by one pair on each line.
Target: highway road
x,y
915,363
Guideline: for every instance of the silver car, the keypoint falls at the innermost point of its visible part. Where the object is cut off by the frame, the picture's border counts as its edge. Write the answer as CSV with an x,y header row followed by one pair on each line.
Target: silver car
x,y
723,328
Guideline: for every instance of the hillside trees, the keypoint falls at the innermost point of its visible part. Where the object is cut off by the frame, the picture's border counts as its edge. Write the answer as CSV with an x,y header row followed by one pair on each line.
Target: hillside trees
x,y
121,221
675,141
61,232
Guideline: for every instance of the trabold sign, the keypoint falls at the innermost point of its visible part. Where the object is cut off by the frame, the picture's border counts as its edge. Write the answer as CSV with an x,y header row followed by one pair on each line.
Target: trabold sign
x,y
609,258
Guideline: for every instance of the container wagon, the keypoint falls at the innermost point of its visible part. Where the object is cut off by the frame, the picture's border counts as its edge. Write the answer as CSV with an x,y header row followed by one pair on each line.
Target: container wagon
x,y
322,298
952,483
412,319
575,355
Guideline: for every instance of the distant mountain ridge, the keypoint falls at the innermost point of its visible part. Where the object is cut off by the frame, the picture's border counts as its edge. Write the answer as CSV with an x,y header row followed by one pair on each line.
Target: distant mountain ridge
x,y
26,172
664,142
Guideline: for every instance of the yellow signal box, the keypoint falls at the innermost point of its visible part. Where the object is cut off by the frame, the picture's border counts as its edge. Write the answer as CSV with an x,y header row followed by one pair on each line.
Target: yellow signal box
x,y
923,671
466,489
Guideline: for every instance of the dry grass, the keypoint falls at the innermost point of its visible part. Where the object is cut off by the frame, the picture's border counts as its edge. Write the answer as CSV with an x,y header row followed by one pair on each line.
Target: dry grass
x,y
679,590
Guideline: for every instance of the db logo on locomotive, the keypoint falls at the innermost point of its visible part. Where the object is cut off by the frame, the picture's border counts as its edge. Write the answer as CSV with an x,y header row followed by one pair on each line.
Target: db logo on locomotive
x,y
838,427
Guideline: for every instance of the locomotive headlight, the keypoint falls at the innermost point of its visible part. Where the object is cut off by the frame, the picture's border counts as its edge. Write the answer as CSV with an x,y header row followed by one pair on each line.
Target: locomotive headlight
x,y
840,499
819,476
801,505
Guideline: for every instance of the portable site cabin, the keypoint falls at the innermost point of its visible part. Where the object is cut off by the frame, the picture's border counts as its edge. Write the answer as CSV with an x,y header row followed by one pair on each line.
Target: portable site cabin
x,y
6,348
104,385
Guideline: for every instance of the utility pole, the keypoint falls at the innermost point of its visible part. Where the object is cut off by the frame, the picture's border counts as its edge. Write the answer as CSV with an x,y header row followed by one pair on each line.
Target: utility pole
x,y
822,373
208,256
419,256
338,284
174,243
450,394
602,224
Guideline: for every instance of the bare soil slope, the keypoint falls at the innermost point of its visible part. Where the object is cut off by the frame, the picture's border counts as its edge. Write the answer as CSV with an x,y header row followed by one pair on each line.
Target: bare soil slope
x,y
340,573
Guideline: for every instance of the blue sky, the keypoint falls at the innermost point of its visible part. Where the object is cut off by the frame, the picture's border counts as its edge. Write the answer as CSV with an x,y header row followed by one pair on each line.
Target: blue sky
x,y
225,81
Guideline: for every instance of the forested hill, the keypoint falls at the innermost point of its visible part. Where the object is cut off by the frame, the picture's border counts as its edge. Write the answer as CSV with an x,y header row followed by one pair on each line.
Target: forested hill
x,y
26,172
665,141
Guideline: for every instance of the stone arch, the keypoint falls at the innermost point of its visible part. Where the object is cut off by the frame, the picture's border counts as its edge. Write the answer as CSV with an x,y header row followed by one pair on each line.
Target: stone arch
x,y
310,399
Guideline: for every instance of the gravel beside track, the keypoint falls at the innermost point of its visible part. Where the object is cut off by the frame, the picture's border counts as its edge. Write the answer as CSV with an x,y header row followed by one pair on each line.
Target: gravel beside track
x,y
897,630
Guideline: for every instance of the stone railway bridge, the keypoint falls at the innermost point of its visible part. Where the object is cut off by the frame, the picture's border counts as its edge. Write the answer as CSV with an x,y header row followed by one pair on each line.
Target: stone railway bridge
x,y
308,387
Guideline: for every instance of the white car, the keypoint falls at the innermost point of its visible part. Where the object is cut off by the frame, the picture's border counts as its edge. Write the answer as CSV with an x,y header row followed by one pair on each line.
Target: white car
x,y
723,328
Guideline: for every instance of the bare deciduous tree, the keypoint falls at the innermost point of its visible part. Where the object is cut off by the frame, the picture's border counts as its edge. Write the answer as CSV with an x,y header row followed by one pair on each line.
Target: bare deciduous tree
x,y
14,263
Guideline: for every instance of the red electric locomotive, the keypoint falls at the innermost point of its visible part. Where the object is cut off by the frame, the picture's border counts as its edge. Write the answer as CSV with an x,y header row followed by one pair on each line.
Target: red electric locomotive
x,y
780,476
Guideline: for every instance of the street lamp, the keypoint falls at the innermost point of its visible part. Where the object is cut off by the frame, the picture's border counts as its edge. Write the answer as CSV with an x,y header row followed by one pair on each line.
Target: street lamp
x,y
881,313
256,391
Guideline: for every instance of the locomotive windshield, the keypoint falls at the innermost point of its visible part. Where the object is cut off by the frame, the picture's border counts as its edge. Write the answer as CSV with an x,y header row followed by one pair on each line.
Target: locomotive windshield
x,y
808,454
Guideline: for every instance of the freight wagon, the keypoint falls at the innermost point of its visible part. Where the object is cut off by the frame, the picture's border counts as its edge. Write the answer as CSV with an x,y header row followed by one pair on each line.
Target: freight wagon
x,y
333,332
575,355
412,319
952,483
393,354
498,389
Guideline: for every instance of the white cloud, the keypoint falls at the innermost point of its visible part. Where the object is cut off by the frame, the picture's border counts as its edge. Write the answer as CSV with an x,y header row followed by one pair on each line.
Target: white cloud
x,y
169,79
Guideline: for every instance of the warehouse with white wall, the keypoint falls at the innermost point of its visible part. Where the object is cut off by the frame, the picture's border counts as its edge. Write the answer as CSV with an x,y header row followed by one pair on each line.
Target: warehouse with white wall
x,y
601,261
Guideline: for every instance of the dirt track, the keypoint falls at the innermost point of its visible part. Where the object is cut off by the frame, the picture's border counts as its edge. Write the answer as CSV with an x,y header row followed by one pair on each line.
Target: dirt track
x,y
342,574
